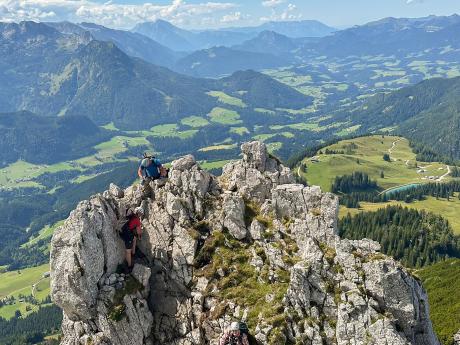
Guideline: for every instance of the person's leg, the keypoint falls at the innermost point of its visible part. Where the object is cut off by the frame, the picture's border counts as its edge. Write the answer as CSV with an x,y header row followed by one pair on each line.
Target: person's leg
x,y
146,188
128,257
128,239
134,245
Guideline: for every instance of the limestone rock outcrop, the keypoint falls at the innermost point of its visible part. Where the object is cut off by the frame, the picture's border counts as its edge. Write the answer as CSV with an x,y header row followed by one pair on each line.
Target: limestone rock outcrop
x,y
250,245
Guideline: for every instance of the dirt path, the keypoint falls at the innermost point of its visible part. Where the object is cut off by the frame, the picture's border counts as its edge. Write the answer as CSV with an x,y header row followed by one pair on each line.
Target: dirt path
x,y
35,285
393,146
446,174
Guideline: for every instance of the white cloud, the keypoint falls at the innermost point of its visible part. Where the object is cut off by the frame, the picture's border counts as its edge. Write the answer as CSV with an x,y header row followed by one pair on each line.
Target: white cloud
x,y
109,13
232,17
288,13
272,3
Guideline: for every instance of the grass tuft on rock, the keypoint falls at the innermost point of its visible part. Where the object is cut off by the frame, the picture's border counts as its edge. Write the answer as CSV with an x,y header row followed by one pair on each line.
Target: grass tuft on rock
x,y
118,308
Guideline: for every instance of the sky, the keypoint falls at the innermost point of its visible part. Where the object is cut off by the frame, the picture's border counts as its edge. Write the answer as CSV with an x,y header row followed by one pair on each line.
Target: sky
x,y
202,14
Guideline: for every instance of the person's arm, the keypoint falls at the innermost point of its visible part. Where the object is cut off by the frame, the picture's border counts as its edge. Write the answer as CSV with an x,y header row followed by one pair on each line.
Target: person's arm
x,y
223,340
139,172
139,231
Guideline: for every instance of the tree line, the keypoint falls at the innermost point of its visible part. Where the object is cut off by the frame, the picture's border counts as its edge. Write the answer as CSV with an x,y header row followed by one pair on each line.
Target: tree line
x,y
31,329
356,182
351,198
416,238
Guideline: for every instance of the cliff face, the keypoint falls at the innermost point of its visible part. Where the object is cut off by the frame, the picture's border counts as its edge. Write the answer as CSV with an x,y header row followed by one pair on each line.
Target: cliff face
x,y
251,245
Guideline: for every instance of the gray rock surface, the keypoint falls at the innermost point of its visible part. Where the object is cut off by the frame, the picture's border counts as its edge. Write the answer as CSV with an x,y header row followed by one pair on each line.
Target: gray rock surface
x,y
217,250
457,338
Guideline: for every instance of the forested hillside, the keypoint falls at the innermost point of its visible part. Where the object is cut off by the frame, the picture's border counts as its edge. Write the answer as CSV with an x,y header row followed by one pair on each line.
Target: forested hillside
x,y
428,113
415,238
98,80
47,140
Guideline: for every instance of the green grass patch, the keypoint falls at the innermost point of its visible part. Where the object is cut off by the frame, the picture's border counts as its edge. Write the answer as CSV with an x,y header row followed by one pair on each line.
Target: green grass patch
x,y
171,130
297,126
225,116
264,137
21,281
83,178
442,283
303,111
348,131
110,126
367,157
447,209
241,283
264,111
239,130
195,121
227,99
217,148
43,234
18,175
213,165
275,146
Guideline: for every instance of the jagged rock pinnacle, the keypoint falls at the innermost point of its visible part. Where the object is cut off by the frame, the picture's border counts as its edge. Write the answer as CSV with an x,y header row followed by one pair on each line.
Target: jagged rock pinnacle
x,y
250,245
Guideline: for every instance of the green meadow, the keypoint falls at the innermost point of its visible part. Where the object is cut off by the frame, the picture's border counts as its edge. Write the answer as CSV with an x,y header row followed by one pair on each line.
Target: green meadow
x,y
227,99
25,282
367,156
225,116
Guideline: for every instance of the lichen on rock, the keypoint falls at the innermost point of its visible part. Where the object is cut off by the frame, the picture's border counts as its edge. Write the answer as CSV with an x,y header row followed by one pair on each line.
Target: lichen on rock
x,y
250,245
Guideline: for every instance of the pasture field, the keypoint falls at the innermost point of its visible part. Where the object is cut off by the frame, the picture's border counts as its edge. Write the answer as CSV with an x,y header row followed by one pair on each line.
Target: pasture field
x,y
227,99
365,154
195,121
225,116
20,282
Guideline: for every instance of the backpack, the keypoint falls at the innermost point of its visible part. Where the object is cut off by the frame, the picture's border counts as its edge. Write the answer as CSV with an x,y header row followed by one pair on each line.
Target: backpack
x,y
245,330
125,227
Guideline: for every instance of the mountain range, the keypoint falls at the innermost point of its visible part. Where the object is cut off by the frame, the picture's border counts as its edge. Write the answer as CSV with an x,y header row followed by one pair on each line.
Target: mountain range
x,y
63,74
131,43
391,36
108,75
184,40
215,53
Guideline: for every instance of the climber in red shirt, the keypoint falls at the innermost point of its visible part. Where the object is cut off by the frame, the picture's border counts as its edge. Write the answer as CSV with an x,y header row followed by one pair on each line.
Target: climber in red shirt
x,y
131,231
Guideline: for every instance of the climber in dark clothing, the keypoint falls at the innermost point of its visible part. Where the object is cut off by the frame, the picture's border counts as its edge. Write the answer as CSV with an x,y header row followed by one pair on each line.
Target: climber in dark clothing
x,y
131,231
234,336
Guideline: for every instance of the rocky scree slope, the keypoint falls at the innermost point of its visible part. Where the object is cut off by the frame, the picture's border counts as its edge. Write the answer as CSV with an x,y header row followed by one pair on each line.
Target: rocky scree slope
x,y
249,245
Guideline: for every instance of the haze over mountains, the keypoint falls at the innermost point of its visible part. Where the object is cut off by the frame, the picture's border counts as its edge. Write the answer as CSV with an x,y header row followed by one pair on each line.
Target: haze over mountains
x,y
275,44
183,40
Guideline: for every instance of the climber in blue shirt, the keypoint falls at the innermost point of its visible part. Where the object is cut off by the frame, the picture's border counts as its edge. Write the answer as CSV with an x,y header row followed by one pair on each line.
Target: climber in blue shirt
x,y
150,169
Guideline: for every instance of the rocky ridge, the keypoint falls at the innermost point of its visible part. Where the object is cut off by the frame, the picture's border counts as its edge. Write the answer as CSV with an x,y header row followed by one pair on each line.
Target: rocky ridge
x,y
250,245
